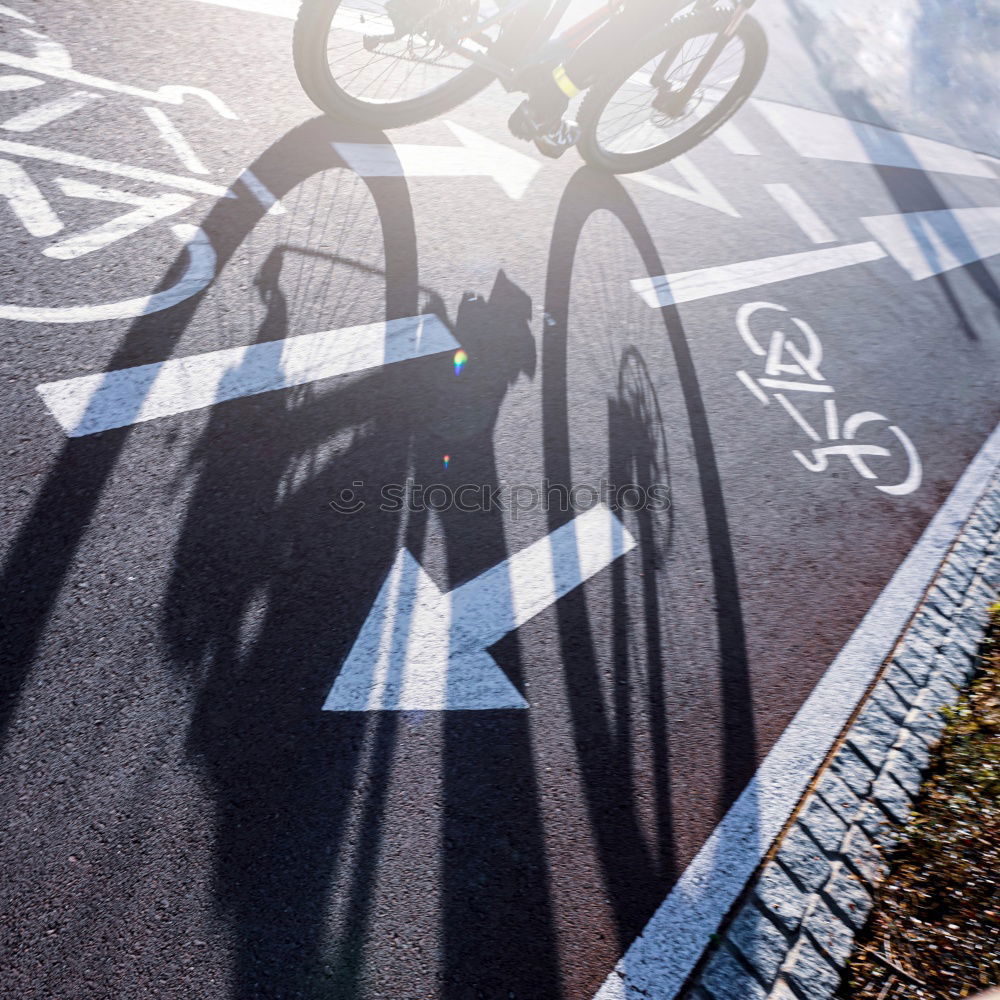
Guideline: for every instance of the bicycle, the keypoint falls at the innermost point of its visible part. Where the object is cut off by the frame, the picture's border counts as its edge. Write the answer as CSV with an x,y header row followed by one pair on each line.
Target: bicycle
x,y
389,63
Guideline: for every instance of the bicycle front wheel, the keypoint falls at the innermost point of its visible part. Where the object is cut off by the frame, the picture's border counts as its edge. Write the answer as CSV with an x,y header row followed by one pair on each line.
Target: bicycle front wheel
x,y
376,62
632,119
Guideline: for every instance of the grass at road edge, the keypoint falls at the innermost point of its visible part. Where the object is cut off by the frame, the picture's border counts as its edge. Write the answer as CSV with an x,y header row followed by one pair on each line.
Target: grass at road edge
x,y
934,931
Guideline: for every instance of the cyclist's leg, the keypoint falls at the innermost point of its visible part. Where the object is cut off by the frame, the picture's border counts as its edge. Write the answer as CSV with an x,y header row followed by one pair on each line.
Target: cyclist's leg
x,y
549,93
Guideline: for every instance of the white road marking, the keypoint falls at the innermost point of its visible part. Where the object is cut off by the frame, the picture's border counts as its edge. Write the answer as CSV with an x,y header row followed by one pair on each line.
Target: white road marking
x,y
700,189
26,201
198,276
259,190
687,286
173,137
477,156
817,135
928,243
800,213
118,169
50,111
345,18
93,403
421,649
661,958
15,81
149,209
735,140
47,63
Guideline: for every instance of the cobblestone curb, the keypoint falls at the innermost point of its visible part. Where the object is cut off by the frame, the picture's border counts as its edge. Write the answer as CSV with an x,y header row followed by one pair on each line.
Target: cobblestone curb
x,y
789,936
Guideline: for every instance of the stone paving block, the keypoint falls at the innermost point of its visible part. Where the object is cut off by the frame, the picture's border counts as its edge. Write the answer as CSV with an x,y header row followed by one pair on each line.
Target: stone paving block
x,y
903,685
809,973
877,827
829,931
943,599
954,669
803,859
838,795
861,852
757,939
823,824
892,798
907,774
915,658
873,733
890,702
846,893
781,898
782,991
925,722
914,748
853,770
928,618
724,978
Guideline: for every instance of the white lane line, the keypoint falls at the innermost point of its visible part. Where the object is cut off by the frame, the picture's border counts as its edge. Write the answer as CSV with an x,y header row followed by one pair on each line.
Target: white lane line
x,y
51,111
172,136
817,135
687,286
421,649
149,209
260,191
735,140
800,213
661,958
26,201
928,243
93,403
700,190
198,276
109,167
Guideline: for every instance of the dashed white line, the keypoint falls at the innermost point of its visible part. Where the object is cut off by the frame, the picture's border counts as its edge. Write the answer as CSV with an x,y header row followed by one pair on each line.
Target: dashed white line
x,y
260,191
735,140
687,286
93,403
801,213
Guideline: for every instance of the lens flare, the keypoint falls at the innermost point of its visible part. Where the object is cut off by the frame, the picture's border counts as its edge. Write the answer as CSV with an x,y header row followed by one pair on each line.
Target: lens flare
x,y
447,459
460,358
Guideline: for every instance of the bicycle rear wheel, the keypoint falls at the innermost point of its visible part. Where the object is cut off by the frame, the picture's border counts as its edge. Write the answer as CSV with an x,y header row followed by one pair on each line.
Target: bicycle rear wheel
x,y
628,121
375,62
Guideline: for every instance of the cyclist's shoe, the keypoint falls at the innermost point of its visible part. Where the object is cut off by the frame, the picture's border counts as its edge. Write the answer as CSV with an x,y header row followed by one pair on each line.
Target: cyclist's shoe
x,y
552,137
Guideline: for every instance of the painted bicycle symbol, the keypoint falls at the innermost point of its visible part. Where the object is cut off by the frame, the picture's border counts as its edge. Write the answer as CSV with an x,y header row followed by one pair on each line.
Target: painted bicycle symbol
x,y
47,72
792,369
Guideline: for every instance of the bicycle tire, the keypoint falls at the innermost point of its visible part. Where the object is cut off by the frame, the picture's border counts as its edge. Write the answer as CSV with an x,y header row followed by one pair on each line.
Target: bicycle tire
x,y
312,66
672,37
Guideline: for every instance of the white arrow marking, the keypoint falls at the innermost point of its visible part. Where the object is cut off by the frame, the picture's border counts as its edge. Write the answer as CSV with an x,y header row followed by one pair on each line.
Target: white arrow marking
x,y
928,243
477,156
817,135
110,167
93,403
687,286
700,190
151,208
9,12
26,201
51,111
197,277
421,649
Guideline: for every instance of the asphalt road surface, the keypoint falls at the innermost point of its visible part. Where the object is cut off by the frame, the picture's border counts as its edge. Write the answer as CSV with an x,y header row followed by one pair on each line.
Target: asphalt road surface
x,y
282,721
